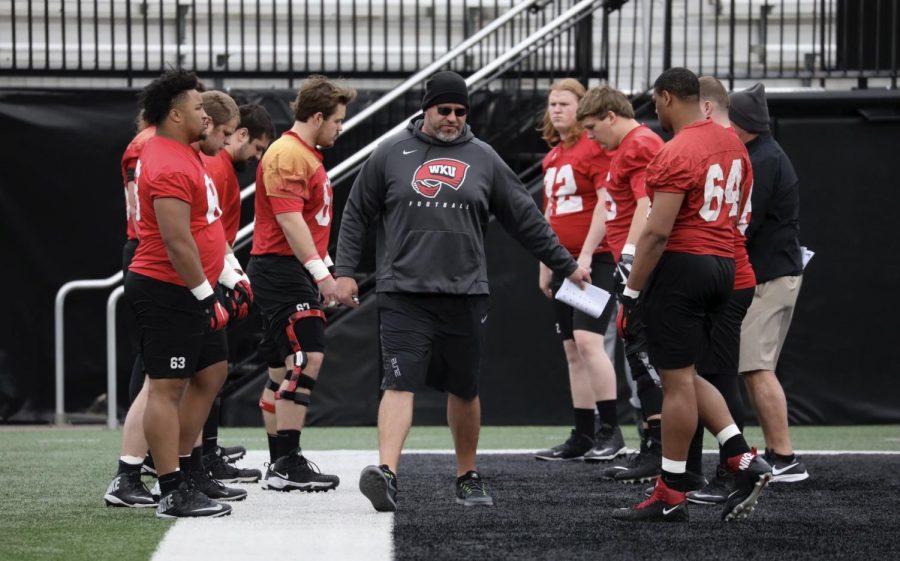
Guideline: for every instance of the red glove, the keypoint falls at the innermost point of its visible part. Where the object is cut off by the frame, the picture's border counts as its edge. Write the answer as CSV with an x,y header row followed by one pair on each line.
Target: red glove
x,y
216,312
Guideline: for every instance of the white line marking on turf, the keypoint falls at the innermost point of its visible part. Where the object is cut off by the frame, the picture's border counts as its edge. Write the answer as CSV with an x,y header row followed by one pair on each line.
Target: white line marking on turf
x,y
528,451
333,526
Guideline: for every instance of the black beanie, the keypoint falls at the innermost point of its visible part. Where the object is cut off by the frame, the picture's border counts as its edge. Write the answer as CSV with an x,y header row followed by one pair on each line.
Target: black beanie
x,y
748,109
445,87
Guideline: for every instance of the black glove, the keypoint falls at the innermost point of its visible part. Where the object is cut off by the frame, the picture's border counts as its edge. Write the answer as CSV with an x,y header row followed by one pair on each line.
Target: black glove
x,y
623,269
626,315
215,311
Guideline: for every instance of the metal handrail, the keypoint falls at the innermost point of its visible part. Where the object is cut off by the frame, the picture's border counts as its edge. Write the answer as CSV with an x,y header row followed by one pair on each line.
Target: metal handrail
x,y
367,150
112,398
59,321
417,78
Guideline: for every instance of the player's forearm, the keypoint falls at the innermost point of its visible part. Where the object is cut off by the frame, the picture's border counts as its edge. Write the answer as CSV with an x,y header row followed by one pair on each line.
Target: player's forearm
x,y
638,221
650,247
597,231
185,260
298,235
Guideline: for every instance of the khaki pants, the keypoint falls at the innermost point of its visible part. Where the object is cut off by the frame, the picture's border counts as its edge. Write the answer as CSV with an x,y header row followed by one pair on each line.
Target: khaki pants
x,y
767,322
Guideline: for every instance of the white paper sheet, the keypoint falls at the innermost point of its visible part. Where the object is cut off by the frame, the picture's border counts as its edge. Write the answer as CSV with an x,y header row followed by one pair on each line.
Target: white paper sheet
x,y
807,255
592,300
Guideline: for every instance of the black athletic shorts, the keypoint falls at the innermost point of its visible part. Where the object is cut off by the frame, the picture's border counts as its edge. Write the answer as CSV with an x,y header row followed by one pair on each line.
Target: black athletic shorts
x,y
725,340
176,341
681,303
568,319
432,339
281,288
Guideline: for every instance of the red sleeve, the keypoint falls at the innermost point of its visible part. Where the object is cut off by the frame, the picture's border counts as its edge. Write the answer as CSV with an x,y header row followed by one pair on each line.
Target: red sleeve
x,y
598,169
281,205
670,174
172,185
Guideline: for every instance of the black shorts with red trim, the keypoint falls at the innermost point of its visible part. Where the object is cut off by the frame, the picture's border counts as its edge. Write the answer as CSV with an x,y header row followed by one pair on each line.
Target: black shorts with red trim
x,y
176,341
724,350
568,319
281,288
432,340
682,302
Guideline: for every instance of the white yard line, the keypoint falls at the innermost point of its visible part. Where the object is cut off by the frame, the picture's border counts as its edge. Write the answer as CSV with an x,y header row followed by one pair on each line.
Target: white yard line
x,y
333,526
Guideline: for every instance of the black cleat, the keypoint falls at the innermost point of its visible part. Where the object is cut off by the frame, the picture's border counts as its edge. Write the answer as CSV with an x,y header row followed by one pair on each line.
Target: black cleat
x,y
608,445
692,482
379,485
223,472
751,474
643,466
201,481
231,454
717,491
664,505
574,448
294,471
187,502
127,489
786,472
471,490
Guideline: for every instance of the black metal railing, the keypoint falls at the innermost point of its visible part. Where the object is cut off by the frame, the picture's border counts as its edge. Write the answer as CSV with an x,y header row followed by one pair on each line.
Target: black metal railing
x,y
627,43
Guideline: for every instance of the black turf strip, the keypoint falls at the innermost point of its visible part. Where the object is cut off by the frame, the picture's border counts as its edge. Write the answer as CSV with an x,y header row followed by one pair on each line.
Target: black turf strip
x,y
848,509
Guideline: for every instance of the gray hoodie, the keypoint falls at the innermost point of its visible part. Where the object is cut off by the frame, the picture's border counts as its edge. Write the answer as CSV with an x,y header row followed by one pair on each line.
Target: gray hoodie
x,y
432,201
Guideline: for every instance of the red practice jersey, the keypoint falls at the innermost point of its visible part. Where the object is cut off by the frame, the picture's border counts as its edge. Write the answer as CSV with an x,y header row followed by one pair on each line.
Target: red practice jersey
x,y
572,177
169,169
710,166
291,178
221,169
625,184
129,163
744,276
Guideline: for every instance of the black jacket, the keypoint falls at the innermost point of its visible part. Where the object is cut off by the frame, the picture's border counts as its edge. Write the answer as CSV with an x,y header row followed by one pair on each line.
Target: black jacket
x,y
432,201
773,241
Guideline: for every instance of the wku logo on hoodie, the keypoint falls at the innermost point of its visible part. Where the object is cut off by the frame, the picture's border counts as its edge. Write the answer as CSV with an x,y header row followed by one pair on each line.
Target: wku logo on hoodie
x,y
434,174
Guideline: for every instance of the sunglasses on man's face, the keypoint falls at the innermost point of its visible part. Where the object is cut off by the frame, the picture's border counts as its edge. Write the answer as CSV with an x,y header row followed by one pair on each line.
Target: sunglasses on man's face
x,y
445,111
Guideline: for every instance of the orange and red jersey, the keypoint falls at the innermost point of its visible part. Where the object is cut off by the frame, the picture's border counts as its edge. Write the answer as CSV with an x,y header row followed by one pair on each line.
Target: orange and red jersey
x,y
291,178
572,177
169,169
221,169
129,163
710,166
625,184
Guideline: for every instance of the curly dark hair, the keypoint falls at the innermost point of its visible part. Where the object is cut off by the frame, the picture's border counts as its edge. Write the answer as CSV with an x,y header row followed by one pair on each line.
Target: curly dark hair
x,y
161,94
680,82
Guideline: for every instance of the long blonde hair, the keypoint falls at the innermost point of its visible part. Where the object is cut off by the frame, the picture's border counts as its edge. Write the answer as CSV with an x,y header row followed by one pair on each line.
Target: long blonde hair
x,y
548,131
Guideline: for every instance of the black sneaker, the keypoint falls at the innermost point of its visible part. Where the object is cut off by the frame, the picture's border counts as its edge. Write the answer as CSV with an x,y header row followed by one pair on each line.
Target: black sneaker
x,y
231,454
574,448
186,502
643,466
751,474
379,485
717,491
127,489
201,481
223,472
148,468
471,490
786,472
294,471
608,445
664,505
692,482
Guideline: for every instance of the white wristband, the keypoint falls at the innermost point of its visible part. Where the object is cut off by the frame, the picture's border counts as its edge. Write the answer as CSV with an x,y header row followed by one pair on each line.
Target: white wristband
x,y
203,291
631,293
232,260
317,268
628,249
229,276
328,262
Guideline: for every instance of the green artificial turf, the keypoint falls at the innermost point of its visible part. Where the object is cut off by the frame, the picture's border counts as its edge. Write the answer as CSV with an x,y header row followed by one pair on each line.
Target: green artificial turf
x,y
52,480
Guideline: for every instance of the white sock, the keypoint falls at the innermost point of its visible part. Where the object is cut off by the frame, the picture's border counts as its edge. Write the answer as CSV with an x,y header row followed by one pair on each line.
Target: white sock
x,y
672,466
132,460
726,433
